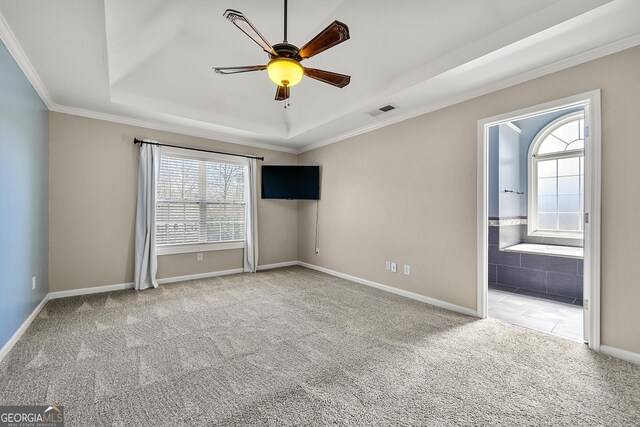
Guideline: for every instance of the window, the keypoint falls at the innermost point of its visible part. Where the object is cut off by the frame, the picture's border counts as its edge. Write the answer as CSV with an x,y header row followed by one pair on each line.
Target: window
x,y
201,201
556,179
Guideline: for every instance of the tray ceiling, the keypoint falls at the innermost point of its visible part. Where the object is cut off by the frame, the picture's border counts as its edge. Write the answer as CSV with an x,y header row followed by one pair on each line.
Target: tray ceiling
x,y
150,61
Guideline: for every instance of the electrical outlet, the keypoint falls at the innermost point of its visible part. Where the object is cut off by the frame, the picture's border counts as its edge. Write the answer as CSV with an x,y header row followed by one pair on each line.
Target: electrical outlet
x,y
33,283
407,269
317,251
394,267
199,257
387,265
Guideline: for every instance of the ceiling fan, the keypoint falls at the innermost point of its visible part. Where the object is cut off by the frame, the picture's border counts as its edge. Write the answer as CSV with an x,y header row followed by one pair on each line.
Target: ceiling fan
x,y
284,67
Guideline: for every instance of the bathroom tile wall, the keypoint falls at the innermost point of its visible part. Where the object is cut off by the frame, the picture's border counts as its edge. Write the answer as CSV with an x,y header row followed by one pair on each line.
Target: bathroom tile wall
x,y
541,273
509,235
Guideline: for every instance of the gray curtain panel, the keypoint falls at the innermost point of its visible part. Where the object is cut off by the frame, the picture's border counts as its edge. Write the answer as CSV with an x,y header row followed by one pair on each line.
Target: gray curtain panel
x,y
146,260
251,219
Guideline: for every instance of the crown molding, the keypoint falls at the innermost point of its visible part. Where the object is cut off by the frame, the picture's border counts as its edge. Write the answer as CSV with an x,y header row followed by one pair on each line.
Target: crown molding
x,y
10,41
572,61
166,127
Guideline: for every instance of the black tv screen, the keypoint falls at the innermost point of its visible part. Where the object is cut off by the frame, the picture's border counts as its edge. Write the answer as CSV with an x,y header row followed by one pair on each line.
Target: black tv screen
x,y
291,182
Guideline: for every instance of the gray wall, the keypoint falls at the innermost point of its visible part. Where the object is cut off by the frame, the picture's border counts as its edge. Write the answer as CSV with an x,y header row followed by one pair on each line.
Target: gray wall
x,y
24,197
421,209
94,171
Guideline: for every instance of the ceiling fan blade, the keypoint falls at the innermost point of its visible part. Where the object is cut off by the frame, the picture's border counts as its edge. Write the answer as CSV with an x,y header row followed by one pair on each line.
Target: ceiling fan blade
x,y
236,70
335,79
282,93
334,34
241,21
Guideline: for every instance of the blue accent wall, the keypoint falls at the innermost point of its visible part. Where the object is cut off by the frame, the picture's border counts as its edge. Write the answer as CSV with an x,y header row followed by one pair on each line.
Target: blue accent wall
x,y
504,172
530,127
508,172
24,197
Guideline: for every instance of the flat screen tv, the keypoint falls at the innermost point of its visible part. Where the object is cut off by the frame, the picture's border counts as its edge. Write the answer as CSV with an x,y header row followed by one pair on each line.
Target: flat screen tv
x,y
291,182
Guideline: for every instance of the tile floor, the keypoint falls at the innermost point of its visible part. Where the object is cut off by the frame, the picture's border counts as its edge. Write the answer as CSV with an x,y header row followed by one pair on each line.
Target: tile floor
x,y
554,317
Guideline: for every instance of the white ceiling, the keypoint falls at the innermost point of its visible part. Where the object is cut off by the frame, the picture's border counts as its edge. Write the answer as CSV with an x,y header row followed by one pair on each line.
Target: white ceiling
x,y
149,62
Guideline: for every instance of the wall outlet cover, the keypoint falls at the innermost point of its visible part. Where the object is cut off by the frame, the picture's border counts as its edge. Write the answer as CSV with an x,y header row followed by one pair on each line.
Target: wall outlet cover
x,y
407,269
387,265
199,257
317,251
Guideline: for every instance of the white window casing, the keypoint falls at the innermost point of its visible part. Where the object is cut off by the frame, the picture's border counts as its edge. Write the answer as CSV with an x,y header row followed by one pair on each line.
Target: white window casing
x,y
563,209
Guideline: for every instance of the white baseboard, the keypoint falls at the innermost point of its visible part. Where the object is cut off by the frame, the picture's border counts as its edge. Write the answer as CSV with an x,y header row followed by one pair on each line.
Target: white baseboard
x,y
407,294
92,290
621,354
199,276
277,265
16,336
123,286
611,351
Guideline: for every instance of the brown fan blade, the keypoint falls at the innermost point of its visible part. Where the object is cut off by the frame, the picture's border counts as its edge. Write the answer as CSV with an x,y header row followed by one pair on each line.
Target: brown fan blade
x,y
241,21
334,34
282,93
335,79
236,70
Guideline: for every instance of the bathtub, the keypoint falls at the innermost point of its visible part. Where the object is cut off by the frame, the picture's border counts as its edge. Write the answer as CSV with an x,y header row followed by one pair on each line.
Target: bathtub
x,y
553,250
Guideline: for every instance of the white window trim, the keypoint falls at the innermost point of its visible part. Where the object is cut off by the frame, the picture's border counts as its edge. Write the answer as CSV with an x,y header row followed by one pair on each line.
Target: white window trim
x,y
201,247
532,179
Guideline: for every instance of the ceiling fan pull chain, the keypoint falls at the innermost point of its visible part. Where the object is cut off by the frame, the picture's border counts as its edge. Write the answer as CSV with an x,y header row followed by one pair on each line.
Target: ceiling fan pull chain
x,y
287,96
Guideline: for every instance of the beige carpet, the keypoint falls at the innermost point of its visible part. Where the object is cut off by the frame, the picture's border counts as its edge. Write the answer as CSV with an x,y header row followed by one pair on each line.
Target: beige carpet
x,y
297,347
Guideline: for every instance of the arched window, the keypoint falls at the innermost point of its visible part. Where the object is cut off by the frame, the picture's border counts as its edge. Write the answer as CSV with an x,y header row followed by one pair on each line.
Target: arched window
x,y
556,179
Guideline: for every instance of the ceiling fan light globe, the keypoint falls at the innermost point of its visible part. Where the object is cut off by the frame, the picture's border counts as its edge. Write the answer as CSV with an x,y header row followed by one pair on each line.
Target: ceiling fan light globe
x,y
285,71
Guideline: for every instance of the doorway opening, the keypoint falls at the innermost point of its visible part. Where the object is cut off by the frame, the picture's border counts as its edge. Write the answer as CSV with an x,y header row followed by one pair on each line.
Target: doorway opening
x,y
538,224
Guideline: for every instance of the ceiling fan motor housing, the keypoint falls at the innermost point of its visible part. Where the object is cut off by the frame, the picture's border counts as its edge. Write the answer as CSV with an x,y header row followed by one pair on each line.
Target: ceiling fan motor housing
x,y
285,50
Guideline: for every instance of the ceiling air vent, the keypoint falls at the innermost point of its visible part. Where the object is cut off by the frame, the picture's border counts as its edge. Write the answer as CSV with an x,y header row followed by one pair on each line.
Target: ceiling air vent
x,y
381,110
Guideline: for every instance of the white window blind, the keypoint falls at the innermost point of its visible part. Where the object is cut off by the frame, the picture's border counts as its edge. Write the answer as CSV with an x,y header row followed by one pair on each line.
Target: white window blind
x,y
199,201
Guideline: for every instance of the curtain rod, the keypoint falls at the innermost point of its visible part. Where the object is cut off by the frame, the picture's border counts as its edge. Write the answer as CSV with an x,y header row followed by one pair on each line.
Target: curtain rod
x,y
140,141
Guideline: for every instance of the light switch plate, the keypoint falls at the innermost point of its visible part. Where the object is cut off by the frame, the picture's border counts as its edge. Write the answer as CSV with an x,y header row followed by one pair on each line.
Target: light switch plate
x,y
394,267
